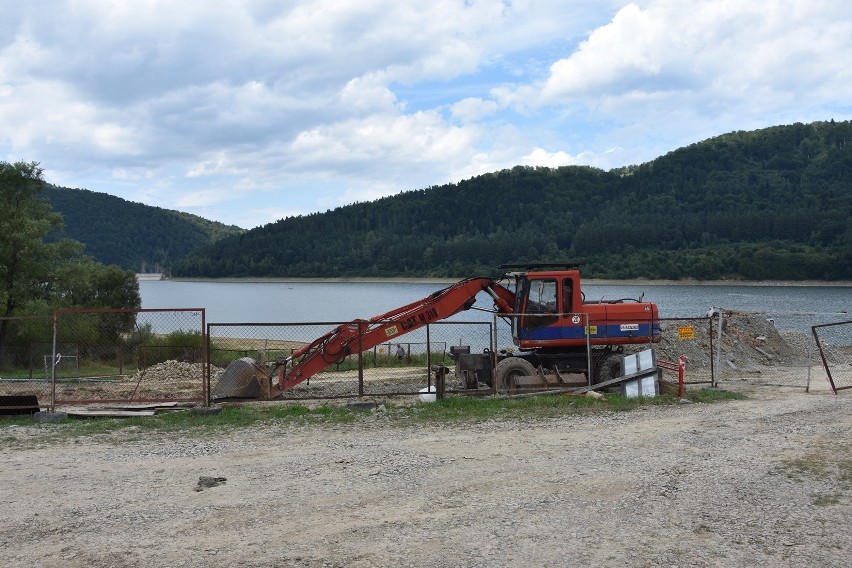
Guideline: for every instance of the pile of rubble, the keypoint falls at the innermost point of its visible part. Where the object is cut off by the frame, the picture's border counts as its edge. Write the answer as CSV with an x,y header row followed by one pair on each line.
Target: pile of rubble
x,y
748,339
176,372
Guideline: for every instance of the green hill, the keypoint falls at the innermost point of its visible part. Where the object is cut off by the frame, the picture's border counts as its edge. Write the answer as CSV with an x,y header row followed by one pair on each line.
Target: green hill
x,y
132,235
769,204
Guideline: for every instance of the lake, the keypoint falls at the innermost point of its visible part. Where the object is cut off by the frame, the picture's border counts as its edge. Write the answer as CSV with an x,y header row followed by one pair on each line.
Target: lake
x,y
792,307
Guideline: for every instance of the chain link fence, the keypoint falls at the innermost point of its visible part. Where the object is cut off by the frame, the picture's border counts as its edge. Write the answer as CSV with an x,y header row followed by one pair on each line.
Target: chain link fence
x,y
761,349
88,356
401,366
26,346
692,338
116,356
834,345
466,353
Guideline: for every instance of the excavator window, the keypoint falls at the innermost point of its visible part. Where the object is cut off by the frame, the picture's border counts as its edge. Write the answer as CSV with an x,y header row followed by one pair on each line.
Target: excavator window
x,y
540,299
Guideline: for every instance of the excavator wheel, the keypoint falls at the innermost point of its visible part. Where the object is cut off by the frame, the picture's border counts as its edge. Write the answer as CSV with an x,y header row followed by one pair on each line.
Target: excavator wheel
x,y
607,368
510,368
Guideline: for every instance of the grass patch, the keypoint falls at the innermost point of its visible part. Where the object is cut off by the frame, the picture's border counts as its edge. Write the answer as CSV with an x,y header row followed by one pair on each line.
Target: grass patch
x,y
826,500
177,422
709,395
812,465
831,465
835,464
453,409
464,409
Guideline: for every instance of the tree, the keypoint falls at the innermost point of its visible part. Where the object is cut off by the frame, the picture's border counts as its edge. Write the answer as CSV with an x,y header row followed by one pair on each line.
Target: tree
x,y
38,274
25,222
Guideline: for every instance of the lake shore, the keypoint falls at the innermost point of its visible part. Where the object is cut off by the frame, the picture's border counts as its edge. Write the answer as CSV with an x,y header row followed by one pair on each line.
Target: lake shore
x,y
586,281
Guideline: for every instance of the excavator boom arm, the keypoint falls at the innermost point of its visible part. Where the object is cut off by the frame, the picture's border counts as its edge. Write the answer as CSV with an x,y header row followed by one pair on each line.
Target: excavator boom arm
x,y
360,335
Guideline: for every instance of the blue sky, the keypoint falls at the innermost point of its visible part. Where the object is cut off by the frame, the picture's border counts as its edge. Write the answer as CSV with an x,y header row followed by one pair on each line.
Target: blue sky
x,y
249,111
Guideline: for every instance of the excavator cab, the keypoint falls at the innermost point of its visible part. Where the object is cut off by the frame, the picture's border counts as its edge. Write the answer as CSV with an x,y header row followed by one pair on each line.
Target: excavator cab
x,y
550,312
538,306
544,307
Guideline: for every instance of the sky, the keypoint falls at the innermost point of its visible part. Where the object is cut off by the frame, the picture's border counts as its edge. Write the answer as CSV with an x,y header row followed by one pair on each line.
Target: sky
x,y
247,112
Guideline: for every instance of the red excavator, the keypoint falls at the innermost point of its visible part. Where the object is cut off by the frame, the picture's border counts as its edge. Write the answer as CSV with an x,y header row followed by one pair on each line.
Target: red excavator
x,y
549,314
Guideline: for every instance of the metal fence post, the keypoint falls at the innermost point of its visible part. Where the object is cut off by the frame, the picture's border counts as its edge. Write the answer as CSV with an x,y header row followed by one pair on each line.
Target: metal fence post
x,y
717,371
438,388
808,384
53,365
588,351
360,360
428,359
205,363
712,362
493,331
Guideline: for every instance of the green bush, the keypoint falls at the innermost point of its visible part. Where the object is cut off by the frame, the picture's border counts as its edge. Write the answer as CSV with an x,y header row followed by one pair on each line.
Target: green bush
x,y
178,346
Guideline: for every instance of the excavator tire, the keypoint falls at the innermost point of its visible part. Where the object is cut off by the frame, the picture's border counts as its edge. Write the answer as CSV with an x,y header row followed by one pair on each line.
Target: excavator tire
x,y
243,378
510,368
607,368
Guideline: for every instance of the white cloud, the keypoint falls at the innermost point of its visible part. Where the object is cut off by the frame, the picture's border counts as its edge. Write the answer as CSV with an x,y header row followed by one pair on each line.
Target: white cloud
x,y
736,51
302,105
50,113
541,157
368,94
217,164
472,109
404,139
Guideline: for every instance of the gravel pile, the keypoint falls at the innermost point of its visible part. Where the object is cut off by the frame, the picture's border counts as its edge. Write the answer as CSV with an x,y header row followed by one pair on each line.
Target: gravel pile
x,y
175,372
748,340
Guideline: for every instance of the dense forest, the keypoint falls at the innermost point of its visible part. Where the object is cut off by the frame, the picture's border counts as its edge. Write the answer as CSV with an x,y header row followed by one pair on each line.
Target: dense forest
x,y
769,204
131,235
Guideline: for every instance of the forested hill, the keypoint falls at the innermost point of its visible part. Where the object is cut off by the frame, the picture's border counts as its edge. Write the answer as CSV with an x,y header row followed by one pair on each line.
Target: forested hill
x,y
769,204
132,235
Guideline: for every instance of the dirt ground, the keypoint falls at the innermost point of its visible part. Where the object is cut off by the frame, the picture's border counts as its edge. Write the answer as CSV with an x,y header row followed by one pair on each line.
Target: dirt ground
x,y
760,482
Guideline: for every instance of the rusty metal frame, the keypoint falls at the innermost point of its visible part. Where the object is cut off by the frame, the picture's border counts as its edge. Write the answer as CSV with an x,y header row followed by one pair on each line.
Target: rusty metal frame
x,y
825,364
710,330
204,394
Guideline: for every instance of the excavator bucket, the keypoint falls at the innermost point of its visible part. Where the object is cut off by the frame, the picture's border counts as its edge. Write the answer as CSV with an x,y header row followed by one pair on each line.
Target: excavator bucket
x,y
243,378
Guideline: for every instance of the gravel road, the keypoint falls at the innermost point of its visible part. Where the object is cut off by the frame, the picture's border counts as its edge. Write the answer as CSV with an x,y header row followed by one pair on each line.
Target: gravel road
x,y
762,482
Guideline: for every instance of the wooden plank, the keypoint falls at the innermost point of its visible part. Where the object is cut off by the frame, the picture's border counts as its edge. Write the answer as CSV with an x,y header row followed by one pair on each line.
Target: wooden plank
x,y
16,404
616,381
147,406
85,413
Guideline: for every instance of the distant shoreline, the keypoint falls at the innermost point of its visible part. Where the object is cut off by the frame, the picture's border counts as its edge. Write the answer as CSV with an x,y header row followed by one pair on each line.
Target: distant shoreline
x,y
586,281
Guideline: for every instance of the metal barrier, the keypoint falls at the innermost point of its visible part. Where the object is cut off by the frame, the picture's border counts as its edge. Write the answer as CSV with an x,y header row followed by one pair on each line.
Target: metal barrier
x,y
834,343
692,338
679,368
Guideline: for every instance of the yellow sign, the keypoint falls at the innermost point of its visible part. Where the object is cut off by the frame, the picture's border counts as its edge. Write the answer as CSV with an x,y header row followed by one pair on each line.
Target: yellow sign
x,y
391,331
591,330
687,332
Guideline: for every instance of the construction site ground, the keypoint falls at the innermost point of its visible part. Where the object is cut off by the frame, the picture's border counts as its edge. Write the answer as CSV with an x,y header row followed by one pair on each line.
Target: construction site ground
x,y
765,481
